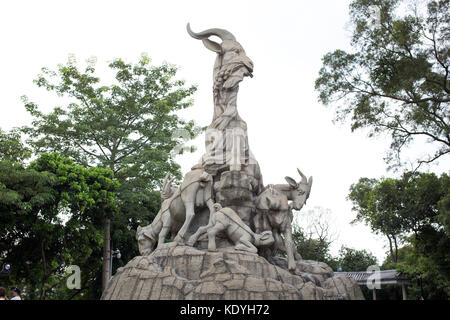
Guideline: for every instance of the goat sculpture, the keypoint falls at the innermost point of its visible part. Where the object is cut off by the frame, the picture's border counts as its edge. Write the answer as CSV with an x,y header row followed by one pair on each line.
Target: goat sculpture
x,y
273,212
177,211
230,68
148,236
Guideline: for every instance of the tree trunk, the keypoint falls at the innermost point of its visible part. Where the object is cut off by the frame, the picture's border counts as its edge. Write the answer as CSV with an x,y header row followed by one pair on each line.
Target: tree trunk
x,y
391,250
107,243
396,248
106,254
44,276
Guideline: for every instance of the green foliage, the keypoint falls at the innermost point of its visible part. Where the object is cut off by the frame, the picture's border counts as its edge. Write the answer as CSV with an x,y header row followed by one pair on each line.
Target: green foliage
x,y
425,261
127,126
318,249
376,204
396,80
350,259
12,148
313,237
413,211
312,248
51,215
313,240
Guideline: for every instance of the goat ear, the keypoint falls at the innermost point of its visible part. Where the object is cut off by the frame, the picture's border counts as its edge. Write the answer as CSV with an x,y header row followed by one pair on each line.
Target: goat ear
x,y
213,46
291,182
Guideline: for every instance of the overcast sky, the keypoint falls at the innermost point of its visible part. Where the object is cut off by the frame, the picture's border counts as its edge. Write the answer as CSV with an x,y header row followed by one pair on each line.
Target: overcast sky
x,y
286,40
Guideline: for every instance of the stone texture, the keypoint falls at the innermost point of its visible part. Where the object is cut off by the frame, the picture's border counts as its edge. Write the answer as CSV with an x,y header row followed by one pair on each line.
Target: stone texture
x,y
253,218
185,273
343,287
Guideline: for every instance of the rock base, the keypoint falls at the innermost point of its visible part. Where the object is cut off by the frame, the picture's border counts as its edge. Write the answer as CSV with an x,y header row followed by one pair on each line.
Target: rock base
x,y
186,273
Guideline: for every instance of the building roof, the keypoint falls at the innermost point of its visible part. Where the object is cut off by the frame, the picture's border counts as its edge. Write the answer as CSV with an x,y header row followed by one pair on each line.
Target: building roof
x,y
384,276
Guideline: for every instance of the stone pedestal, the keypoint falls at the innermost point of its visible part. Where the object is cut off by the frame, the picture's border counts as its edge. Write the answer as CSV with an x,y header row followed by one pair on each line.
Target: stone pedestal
x,y
233,190
218,200
226,149
186,273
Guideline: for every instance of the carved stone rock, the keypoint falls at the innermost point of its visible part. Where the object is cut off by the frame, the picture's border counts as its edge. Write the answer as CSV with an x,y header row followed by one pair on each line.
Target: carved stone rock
x,y
222,216
185,273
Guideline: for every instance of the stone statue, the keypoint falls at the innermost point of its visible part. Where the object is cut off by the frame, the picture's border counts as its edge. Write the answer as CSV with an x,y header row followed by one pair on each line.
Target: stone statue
x,y
195,191
237,231
177,211
275,213
226,137
167,190
149,235
246,223
230,68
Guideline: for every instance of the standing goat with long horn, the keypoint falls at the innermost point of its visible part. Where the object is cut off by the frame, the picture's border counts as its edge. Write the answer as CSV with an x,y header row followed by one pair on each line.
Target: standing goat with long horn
x,y
226,137
230,68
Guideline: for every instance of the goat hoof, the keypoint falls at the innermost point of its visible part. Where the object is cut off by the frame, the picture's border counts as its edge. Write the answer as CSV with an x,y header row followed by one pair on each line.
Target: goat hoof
x,y
291,267
190,242
179,240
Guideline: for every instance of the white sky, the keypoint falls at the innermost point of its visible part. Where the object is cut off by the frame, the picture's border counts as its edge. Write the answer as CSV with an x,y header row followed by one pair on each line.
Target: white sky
x,y
286,40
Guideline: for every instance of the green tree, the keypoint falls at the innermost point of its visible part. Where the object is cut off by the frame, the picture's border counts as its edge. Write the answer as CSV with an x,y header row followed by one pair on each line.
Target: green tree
x,y
427,270
51,217
377,204
12,147
126,126
350,259
396,80
314,236
312,248
414,208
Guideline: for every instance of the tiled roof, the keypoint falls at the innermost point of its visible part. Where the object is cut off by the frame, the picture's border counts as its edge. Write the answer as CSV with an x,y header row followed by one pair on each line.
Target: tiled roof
x,y
384,276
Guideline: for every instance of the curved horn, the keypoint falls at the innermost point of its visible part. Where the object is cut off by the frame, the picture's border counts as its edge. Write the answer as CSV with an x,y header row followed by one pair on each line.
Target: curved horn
x,y
168,185
221,33
165,180
304,179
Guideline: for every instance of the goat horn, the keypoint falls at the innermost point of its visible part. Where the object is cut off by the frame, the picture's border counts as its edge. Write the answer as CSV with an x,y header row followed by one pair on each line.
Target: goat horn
x,y
221,33
168,185
304,179
310,181
165,180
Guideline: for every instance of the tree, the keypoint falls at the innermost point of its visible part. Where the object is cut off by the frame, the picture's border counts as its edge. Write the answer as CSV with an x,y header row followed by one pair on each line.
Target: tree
x,y
312,248
126,126
350,259
413,208
12,148
377,204
313,236
51,217
427,270
396,80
